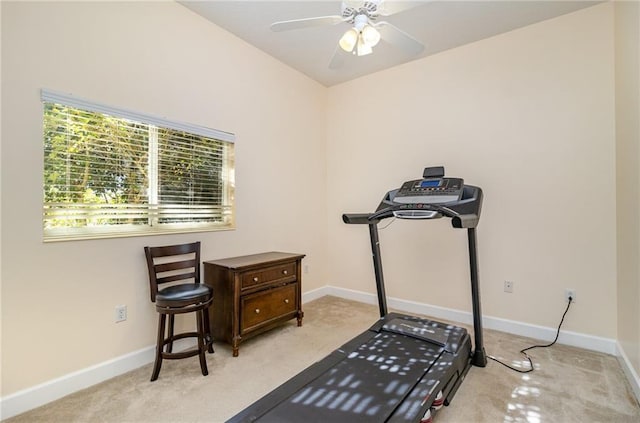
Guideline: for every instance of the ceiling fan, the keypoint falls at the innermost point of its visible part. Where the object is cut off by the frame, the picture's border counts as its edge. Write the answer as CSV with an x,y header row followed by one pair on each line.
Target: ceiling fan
x,y
366,29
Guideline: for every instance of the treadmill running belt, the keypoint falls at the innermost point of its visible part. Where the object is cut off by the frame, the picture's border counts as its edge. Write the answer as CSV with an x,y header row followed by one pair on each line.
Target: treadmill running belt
x,y
366,386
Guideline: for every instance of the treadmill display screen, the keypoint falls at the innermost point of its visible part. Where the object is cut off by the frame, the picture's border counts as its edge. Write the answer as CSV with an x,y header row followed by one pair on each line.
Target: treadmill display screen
x,y
427,184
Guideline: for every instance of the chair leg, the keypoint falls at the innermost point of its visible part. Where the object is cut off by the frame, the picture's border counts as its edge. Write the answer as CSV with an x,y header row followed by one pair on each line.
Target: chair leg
x,y
207,330
159,345
201,342
170,335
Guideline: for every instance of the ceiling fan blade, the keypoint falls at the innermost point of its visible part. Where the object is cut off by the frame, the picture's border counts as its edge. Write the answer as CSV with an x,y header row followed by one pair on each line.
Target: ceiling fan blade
x,y
306,23
337,60
397,37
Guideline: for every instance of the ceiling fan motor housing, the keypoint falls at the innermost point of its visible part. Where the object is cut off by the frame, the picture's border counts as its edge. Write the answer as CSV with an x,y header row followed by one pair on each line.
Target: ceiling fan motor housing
x,y
367,8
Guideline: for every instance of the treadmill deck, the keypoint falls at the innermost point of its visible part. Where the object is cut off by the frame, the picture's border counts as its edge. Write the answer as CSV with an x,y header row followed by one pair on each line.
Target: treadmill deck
x,y
390,373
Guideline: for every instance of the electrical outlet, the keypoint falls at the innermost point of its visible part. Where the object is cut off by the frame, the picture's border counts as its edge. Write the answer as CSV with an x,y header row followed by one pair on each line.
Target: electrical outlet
x,y
570,292
121,313
508,286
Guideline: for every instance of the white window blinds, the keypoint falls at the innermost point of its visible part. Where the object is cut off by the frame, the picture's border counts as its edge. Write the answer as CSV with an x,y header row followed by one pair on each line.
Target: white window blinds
x,y
112,172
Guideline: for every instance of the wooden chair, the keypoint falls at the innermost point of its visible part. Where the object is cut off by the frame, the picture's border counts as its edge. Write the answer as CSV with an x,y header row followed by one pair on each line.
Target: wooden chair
x,y
178,266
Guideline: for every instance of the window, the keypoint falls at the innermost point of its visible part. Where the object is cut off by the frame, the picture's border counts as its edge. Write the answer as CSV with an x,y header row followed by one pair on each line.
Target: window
x,y
111,172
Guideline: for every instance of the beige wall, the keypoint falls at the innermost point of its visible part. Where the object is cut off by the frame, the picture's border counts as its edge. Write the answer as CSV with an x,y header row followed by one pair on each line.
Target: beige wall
x,y
58,299
529,117
627,16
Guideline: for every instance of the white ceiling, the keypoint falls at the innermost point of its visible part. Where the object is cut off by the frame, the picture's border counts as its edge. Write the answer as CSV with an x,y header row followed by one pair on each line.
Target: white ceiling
x,y
439,25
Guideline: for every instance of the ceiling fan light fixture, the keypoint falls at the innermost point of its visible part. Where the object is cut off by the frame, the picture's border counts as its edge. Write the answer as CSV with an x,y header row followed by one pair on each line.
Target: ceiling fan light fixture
x,y
363,48
370,36
349,40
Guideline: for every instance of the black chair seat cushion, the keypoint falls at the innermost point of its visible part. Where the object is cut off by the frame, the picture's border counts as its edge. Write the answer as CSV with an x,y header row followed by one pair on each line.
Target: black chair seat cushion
x,y
183,294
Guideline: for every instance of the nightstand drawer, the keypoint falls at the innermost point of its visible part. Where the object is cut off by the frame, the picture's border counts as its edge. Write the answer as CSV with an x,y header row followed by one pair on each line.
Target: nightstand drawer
x,y
280,273
263,307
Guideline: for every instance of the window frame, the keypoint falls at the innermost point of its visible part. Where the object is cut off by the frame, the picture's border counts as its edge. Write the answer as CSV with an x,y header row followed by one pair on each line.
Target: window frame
x,y
129,230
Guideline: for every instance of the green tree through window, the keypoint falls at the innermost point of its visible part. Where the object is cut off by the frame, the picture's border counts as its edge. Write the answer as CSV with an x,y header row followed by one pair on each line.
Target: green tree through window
x,y
111,176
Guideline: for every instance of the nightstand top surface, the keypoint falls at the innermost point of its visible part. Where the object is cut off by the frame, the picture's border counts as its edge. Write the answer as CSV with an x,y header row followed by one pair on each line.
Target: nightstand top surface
x,y
255,259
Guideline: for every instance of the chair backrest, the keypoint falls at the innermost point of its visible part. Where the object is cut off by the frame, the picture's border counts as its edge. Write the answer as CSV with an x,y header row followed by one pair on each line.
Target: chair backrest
x,y
173,263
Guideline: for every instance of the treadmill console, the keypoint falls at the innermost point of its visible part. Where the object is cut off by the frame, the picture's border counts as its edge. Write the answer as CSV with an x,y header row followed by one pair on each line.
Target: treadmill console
x,y
421,198
430,191
432,197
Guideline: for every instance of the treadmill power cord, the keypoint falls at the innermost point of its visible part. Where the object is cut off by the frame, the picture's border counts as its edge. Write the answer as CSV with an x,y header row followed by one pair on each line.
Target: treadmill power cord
x,y
524,351
388,224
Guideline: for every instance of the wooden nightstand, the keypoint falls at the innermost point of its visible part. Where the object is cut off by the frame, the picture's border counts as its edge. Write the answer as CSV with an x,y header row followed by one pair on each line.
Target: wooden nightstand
x,y
252,294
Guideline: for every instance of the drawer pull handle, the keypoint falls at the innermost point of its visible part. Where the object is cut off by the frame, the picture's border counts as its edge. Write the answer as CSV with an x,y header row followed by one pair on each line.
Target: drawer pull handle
x,y
286,301
255,279
257,311
284,272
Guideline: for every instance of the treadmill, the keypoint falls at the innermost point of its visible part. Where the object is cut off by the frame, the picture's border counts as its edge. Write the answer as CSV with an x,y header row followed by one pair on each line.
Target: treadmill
x,y
403,368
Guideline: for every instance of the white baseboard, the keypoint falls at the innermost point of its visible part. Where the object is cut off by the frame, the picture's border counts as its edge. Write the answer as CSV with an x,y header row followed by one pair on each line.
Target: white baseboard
x,y
314,294
629,371
36,396
589,342
574,339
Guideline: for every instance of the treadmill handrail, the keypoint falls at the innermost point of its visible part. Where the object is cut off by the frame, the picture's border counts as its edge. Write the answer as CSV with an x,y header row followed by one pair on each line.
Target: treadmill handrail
x,y
356,218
